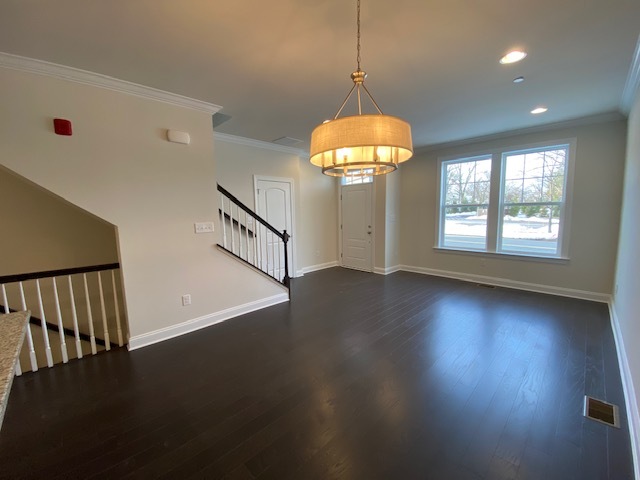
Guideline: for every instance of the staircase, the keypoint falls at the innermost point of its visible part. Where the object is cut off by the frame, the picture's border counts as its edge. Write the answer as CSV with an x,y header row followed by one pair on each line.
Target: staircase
x,y
251,239
75,312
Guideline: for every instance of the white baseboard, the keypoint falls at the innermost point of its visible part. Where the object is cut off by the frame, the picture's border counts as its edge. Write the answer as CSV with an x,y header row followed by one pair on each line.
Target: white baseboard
x,y
386,270
315,268
505,282
629,391
192,325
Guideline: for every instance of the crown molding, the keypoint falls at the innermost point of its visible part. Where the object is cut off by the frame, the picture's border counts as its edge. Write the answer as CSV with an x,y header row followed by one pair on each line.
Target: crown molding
x,y
575,122
40,67
250,142
633,82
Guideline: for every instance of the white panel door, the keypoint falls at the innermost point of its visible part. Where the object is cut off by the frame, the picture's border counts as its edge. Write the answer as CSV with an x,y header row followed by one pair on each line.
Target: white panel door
x,y
356,227
273,202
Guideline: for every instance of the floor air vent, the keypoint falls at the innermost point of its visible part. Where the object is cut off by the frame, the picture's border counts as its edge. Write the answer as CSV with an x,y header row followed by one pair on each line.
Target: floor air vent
x,y
601,411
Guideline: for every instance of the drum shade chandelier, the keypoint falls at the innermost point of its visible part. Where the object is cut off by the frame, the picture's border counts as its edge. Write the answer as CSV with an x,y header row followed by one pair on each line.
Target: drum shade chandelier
x,y
362,144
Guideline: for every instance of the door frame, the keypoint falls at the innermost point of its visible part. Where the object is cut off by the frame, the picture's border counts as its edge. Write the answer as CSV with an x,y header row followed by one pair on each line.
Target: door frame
x,y
373,225
293,234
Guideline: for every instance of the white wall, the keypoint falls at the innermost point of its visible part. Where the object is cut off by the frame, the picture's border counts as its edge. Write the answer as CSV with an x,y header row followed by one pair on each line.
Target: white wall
x,y
53,233
119,166
626,301
594,224
315,194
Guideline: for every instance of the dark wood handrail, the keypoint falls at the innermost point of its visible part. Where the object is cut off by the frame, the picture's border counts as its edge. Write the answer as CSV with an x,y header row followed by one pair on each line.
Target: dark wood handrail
x,y
284,236
232,197
22,277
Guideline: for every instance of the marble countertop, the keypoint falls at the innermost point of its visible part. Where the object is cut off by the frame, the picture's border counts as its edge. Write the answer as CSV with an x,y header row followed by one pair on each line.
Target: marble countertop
x,y
12,329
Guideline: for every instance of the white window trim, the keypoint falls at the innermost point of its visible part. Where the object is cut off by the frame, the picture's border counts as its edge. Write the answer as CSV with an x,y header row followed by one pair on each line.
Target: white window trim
x,y
496,201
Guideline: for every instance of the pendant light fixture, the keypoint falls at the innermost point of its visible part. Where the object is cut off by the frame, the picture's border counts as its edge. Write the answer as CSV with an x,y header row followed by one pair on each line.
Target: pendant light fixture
x,y
362,144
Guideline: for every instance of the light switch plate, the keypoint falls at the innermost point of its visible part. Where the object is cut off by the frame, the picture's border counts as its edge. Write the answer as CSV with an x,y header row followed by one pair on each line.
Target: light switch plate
x,y
203,227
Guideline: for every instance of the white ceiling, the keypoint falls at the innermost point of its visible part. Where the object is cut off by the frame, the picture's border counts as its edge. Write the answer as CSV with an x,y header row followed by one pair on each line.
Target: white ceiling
x,y
280,67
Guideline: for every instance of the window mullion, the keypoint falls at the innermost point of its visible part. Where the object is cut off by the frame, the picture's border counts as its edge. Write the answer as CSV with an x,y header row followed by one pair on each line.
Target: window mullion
x,y
493,213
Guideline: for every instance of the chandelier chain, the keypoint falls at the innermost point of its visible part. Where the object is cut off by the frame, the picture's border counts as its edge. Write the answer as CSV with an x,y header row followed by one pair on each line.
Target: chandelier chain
x,y
358,58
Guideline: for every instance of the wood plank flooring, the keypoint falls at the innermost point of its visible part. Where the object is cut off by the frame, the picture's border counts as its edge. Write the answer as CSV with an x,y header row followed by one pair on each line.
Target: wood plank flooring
x,y
361,376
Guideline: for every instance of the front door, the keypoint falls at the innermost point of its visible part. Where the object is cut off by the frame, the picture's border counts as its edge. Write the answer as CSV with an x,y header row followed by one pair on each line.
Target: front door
x,y
356,227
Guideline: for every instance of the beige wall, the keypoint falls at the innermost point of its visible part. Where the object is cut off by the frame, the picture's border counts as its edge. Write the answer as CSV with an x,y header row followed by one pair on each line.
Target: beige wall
x,y
119,166
386,192
594,224
318,219
236,164
379,216
315,195
392,219
626,301
47,232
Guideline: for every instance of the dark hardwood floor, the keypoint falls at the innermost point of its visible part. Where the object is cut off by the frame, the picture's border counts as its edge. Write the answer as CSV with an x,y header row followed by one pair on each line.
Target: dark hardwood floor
x,y
359,377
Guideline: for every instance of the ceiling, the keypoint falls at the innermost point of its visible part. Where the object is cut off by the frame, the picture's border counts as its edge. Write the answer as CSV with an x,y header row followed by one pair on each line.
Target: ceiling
x,y
281,67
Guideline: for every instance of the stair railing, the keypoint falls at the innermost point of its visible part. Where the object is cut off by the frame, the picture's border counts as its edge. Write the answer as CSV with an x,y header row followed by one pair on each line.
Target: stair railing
x,y
85,303
250,238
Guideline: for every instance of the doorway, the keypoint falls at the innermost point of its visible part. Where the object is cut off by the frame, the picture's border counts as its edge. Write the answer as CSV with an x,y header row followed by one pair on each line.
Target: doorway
x,y
274,203
356,226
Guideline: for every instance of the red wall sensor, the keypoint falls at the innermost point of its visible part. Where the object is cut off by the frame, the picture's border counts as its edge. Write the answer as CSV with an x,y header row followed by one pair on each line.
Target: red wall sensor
x,y
62,126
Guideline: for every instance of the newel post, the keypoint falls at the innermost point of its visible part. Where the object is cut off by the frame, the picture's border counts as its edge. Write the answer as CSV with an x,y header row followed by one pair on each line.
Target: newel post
x,y
285,239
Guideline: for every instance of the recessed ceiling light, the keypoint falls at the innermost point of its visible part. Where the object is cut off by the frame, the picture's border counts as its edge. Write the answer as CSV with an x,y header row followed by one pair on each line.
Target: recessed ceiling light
x,y
518,80
513,57
539,110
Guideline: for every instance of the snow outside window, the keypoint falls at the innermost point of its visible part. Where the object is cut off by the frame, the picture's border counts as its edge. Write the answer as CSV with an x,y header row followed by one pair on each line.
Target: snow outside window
x,y
465,185
508,202
533,197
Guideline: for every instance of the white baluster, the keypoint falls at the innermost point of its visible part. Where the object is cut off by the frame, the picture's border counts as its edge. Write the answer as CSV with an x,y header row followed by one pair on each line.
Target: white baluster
x,y
239,234
263,247
63,343
5,302
32,350
105,328
74,316
265,256
45,330
267,250
255,241
115,302
233,243
279,259
224,222
92,336
273,255
246,236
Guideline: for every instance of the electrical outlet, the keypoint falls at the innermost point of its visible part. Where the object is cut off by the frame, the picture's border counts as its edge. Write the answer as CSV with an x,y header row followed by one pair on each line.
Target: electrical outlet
x,y
186,300
203,227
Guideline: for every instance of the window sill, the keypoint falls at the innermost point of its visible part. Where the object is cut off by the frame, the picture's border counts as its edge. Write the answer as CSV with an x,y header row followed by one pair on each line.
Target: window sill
x,y
506,256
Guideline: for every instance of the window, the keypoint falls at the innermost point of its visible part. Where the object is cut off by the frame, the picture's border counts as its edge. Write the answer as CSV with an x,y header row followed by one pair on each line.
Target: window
x,y
532,195
510,202
466,185
358,179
